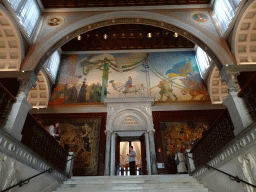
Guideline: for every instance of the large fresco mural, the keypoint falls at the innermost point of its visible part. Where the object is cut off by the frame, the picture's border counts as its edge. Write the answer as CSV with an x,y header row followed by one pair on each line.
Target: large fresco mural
x,y
175,134
167,76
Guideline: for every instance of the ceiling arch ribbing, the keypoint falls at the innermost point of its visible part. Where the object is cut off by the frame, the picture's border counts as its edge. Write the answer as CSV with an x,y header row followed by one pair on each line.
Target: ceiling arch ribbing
x,y
46,47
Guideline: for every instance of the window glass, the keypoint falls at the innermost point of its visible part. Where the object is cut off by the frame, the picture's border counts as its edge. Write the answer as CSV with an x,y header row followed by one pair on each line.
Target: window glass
x,y
224,11
203,62
52,65
28,14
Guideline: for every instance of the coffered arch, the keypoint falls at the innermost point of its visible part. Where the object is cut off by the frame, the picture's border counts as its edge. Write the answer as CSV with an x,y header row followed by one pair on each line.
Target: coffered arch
x,y
11,43
244,37
38,53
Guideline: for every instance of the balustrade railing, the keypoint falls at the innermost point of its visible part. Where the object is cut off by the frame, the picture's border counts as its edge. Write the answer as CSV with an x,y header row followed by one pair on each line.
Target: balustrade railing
x,y
221,132
6,101
41,142
248,93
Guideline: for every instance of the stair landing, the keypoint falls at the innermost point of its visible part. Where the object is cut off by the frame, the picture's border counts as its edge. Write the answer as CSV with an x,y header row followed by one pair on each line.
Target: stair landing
x,y
149,183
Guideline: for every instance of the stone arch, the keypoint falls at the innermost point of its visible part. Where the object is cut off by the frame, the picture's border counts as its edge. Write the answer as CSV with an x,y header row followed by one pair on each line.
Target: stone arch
x,y
140,121
39,53
39,96
11,42
244,36
218,90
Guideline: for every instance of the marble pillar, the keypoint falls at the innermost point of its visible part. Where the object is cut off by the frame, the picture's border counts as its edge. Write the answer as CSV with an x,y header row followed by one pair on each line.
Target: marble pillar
x,y
190,162
17,116
20,108
238,112
152,152
113,155
70,163
107,153
236,106
148,154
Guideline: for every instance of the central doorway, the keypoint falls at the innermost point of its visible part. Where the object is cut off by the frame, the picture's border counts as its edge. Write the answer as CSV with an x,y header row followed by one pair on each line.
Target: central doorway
x,y
121,154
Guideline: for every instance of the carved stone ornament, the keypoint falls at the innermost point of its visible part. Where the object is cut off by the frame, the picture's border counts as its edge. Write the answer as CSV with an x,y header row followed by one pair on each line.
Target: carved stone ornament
x,y
233,82
12,177
247,173
27,84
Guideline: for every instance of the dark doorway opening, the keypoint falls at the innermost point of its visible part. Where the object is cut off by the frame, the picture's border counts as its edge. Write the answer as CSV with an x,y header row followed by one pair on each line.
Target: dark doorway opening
x,y
122,159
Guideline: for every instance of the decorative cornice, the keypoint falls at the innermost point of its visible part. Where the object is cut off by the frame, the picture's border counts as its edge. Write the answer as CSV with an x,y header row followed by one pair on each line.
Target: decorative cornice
x,y
132,8
108,22
14,149
130,100
242,143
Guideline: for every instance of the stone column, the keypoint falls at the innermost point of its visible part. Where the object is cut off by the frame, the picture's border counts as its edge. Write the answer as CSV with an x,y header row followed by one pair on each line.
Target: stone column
x,y
190,162
236,106
70,163
152,152
107,153
20,108
113,155
148,154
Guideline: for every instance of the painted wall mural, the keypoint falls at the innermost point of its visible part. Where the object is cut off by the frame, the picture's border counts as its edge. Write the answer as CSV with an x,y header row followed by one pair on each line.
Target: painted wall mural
x,y
83,135
167,76
174,134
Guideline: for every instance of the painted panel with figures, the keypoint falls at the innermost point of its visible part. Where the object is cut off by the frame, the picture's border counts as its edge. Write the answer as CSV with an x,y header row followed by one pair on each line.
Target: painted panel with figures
x,y
167,76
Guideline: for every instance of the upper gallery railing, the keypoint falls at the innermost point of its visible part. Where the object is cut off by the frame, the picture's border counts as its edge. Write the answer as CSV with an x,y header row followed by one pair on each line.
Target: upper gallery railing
x,y
248,92
219,135
40,141
6,101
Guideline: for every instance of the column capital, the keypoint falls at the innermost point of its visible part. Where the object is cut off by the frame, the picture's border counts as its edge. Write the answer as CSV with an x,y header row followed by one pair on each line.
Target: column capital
x,y
151,131
108,132
230,77
27,82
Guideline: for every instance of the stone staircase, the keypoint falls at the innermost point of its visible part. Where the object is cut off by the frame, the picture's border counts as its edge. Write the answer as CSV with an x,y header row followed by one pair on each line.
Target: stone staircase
x,y
150,183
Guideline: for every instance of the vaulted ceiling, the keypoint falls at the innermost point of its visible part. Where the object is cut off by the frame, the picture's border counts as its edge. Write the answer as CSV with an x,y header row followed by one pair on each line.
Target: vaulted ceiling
x,y
127,37
116,3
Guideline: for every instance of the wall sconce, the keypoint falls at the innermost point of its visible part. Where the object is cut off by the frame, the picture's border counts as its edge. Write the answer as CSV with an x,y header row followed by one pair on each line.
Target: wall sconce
x,y
79,38
149,35
175,35
105,36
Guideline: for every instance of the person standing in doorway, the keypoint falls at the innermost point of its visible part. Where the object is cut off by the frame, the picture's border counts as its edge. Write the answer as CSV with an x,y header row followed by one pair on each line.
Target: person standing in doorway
x,y
132,156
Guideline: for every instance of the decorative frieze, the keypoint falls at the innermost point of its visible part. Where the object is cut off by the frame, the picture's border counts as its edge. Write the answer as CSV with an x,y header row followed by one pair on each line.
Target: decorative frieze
x,y
12,148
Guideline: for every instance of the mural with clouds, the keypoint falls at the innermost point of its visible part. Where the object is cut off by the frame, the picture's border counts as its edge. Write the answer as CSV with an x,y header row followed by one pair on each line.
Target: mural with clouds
x,y
167,76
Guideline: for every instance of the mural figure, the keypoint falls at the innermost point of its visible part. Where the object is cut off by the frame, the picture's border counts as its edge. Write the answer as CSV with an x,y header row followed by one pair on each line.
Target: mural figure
x,y
165,90
54,21
194,87
82,94
128,84
127,87
167,76
72,94
199,17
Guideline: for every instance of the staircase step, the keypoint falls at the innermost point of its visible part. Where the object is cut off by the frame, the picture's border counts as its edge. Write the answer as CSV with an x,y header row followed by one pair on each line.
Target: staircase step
x,y
149,183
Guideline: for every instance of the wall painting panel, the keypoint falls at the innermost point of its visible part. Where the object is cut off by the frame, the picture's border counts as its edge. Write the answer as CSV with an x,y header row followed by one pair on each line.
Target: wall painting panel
x,y
167,76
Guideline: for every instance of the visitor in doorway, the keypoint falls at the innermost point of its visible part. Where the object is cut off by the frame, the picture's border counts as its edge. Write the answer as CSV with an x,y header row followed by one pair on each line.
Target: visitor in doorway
x,y
132,156
54,130
180,162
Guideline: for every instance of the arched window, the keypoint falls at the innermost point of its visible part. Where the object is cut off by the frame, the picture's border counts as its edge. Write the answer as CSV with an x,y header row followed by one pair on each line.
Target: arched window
x,y
203,62
28,14
52,65
224,12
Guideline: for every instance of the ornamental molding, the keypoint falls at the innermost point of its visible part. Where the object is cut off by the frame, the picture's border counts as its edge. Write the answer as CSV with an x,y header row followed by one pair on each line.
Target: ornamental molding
x,y
16,150
52,44
129,100
243,143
